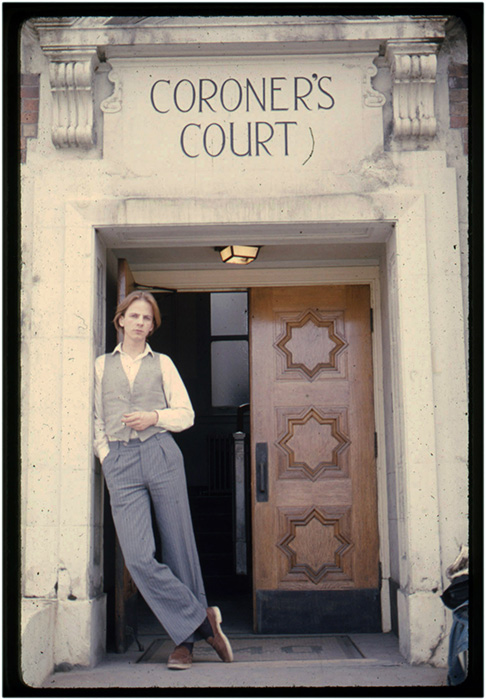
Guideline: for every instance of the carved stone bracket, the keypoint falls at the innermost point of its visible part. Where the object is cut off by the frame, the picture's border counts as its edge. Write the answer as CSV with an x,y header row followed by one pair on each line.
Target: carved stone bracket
x,y
113,103
413,67
371,97
71,77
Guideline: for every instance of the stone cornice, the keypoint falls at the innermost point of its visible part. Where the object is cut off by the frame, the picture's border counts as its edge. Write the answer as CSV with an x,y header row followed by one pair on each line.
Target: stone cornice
x,y
159,36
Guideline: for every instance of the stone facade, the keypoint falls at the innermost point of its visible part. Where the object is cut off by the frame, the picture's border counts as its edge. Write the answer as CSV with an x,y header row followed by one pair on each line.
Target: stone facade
x,y
107,170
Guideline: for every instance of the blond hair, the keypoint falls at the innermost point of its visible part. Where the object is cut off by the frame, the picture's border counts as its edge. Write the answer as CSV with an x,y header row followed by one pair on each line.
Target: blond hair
x,y
128,300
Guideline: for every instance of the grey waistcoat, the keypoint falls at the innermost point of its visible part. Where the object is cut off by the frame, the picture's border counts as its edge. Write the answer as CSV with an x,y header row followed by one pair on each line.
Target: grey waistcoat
x,y
147,394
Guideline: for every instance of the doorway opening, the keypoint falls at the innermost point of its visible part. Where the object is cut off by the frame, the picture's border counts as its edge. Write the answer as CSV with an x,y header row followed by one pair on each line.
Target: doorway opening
x,y
206,334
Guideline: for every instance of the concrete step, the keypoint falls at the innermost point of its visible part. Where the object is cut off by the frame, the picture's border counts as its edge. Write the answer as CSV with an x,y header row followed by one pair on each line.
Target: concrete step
x,y
379,665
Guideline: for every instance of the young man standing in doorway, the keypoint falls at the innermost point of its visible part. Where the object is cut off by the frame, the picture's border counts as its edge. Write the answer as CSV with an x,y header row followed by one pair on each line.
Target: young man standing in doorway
x,y
139,400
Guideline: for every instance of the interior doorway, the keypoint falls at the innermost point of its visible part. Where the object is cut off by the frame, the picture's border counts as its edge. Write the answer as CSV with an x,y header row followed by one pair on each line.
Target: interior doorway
x,y
206,335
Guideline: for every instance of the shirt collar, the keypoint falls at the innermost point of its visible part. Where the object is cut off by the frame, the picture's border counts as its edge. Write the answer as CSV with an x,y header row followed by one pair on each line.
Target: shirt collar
x,y
148,351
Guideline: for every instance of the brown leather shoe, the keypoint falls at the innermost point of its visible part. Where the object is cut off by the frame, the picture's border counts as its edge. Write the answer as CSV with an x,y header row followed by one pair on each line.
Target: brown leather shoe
x,y
219,641
180,659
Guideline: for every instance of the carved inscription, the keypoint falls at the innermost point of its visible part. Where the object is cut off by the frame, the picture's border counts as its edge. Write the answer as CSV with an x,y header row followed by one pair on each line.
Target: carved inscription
x,y
215,101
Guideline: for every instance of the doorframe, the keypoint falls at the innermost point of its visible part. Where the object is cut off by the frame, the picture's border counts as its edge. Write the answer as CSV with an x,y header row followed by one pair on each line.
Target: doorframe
x,y
405,224
367,274
327,276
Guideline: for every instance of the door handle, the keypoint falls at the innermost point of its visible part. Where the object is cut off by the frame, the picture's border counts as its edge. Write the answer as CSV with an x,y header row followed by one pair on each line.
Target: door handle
x,y
261,459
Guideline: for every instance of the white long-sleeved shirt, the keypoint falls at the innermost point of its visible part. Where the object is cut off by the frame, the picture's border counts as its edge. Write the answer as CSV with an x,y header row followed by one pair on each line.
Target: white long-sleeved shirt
x,y
178,416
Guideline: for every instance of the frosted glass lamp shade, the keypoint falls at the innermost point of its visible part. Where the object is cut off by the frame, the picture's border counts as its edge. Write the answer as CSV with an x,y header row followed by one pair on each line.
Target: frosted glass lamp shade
x,y
239,254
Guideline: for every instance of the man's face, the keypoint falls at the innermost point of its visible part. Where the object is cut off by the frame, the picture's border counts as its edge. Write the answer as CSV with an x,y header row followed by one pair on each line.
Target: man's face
x,y
138,321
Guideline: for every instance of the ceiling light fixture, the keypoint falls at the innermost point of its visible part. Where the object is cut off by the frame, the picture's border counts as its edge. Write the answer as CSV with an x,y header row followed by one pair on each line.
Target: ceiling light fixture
x,y
239,254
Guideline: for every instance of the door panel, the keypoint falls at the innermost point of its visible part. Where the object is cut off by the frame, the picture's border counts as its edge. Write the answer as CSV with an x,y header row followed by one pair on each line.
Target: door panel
x,y
125,285
312,403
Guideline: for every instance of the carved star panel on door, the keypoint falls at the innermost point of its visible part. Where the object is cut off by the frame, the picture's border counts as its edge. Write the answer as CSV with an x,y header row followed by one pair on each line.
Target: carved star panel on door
x,y
310,345
311,441
315,545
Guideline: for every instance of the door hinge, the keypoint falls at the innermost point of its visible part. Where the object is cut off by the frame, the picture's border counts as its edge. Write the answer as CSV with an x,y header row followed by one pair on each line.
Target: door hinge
x,y
376,446
372,321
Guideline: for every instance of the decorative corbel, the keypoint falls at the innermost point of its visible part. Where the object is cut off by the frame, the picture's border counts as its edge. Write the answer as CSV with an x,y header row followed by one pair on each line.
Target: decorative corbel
x,y
413,66
113,103
71,76
371,97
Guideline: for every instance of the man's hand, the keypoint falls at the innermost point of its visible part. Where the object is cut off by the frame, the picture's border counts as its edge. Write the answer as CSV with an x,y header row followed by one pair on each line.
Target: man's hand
x,y
140,420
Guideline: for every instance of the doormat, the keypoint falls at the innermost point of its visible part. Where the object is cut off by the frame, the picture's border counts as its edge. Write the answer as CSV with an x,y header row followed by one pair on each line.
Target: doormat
x,y
256,649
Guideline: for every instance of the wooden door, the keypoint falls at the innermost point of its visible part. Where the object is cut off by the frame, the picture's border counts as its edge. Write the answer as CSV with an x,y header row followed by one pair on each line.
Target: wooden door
x,y
126,592
315,533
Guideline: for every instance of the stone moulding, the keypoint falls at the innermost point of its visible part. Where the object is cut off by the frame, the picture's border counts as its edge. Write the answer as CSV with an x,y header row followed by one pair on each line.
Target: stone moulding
x,y
71,79
413,67
371,97
113,103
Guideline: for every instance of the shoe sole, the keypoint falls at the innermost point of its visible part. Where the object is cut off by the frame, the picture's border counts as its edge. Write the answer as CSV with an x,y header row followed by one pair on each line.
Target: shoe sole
x,y
178,667
219,620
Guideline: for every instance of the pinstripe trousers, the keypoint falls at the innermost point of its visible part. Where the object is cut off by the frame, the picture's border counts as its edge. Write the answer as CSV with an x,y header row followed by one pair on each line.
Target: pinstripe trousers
x,y
137,472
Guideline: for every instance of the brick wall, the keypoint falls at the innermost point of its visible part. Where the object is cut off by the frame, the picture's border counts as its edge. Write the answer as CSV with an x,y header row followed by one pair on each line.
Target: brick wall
x,y
458,100
29,110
